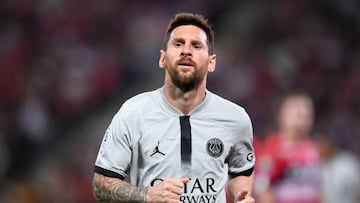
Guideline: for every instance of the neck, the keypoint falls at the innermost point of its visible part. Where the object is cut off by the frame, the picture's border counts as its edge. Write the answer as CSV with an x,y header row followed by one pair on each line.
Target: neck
x,y
184,101
293,136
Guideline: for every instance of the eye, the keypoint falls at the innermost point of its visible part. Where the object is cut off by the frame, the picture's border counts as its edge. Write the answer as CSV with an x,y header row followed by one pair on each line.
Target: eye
x,y
178,44
197,46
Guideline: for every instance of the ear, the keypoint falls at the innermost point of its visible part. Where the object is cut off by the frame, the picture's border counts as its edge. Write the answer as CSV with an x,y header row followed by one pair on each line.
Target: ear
x,y
212,63
162,59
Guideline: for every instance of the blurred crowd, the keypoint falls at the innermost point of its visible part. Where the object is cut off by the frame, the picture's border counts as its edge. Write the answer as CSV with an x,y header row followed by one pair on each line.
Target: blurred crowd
x,y
64,62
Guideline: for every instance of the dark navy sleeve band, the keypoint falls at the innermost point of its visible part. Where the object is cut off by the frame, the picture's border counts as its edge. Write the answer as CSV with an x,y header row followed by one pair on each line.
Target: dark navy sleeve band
x,y
243,173
108,173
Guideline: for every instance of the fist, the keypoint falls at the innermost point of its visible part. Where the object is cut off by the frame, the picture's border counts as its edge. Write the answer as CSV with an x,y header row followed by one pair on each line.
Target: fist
x,y
168,191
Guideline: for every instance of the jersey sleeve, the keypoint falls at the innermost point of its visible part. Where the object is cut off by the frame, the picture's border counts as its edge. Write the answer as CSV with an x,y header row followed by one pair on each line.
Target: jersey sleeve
x,y
114,155
241,159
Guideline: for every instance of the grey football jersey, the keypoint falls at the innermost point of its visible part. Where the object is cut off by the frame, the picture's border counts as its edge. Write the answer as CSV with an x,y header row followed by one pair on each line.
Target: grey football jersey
x,y
143,144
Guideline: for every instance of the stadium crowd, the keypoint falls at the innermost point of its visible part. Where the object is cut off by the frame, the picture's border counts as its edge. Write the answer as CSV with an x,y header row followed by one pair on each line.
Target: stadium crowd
x,y
63,64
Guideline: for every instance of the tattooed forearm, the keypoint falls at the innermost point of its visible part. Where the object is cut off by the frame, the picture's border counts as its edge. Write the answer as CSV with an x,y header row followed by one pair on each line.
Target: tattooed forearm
x,y
114,190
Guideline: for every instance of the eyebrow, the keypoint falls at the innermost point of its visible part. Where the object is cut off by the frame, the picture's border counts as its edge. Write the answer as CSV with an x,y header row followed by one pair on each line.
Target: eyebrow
x,y
193,41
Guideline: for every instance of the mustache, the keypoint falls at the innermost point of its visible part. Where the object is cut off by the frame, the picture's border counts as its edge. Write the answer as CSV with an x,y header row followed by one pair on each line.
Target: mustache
x,y
185,61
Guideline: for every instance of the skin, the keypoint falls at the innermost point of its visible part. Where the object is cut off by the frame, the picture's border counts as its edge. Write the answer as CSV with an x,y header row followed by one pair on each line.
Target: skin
x,y
240,188
187,45
296,118
186,62
114,190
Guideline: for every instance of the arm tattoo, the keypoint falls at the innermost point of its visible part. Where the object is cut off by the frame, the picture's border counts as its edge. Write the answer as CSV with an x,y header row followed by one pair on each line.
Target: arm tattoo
x,y
113,190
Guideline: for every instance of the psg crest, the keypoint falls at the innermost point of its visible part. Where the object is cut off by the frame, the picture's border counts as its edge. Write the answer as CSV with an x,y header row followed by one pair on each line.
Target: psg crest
x,y
215,147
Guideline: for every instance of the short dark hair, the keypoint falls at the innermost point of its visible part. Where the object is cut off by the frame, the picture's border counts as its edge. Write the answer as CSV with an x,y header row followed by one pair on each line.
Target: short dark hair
x,y
190,19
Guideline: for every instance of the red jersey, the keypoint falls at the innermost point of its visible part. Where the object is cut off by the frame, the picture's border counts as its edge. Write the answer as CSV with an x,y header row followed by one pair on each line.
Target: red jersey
x,y
291,170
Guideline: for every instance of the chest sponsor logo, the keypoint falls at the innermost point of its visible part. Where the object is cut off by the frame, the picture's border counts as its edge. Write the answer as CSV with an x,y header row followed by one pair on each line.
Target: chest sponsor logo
x,y
206,198
215,147
196,191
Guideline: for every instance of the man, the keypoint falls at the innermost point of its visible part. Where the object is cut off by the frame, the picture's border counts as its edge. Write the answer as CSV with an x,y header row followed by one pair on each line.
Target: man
x,y
179,142
288,168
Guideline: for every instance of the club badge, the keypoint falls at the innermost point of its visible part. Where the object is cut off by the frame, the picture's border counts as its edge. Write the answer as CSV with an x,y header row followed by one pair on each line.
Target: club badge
x,y
215,147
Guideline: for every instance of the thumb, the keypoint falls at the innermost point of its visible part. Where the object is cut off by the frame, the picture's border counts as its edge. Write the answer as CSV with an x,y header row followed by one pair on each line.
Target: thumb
x,y
185,180
241,195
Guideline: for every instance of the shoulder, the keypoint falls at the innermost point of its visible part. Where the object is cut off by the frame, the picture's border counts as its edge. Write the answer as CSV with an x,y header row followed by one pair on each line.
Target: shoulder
x,y
141,98
227,108
138,103
347,160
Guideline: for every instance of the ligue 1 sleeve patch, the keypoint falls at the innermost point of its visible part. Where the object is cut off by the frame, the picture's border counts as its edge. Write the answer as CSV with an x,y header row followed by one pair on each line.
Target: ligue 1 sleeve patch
x,y
250,156
105,140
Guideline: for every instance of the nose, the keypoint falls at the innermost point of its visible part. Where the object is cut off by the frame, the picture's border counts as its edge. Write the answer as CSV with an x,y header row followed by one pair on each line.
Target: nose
x,y
186,50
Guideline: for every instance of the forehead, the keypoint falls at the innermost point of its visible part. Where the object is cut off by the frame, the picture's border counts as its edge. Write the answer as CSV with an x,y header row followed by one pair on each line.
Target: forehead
x,y
297,105
189,32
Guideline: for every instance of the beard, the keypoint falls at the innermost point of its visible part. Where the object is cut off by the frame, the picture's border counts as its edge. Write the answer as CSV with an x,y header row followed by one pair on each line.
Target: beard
x,y
186,82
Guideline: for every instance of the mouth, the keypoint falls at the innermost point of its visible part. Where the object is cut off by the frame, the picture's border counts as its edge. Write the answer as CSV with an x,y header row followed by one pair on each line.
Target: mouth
x,y
186,63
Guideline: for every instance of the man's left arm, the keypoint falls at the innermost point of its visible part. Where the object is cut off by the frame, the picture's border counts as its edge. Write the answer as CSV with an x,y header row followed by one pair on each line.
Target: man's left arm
x,y
242,162
240,188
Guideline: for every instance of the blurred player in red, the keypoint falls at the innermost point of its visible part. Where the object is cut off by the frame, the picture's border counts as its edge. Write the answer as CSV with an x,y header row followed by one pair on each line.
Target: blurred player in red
x,y
288,169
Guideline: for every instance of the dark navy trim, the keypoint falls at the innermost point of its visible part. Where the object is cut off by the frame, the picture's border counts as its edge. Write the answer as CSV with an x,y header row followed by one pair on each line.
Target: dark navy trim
x,y
186,148
185,139
108,173
243,173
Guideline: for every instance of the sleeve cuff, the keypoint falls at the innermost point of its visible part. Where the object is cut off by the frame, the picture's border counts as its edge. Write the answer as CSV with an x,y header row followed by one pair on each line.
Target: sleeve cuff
x,y
243,173
108,173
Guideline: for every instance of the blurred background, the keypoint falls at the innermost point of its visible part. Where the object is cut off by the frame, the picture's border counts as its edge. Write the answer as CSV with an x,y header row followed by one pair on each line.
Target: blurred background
x,y
66,66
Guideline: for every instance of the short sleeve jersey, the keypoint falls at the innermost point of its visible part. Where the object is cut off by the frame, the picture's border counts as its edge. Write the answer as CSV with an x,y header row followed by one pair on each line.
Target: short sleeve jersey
x,y
144,144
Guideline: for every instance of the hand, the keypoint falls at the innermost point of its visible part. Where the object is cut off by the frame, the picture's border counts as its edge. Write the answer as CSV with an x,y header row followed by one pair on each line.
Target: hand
x,y
243,197
168,191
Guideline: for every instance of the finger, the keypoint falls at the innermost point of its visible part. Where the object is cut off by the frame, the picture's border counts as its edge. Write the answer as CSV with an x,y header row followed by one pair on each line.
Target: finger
x,y
174,185
179,185
247,199
185,180
241,195
170,195
179,182
177,190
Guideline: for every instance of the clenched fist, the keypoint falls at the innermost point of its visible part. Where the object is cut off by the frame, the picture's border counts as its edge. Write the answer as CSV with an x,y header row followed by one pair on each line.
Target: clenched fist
x,y
168,191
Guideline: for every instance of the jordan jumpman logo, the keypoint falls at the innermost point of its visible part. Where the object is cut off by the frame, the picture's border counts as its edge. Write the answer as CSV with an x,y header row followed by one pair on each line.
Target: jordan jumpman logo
x,y
156,150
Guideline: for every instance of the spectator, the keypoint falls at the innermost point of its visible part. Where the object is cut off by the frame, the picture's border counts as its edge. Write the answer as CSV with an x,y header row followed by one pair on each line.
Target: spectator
x,y
287,169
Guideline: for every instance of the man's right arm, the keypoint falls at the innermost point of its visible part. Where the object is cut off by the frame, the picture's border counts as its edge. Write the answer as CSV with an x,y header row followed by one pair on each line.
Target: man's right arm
x,y
108,189
113,190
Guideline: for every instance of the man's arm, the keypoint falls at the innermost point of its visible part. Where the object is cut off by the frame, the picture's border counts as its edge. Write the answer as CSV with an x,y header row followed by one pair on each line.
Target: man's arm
x,y
240,188
113,190
107,189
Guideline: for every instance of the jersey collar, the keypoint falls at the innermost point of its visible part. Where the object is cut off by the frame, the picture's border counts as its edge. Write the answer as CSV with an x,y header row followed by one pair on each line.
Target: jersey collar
x,y
173,110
